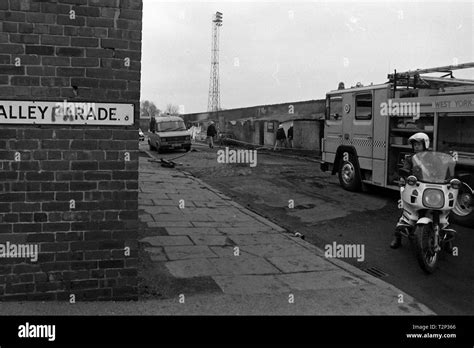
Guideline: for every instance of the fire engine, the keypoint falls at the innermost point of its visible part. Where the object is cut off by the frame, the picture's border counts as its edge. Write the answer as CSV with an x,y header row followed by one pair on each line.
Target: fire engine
x,y
367,129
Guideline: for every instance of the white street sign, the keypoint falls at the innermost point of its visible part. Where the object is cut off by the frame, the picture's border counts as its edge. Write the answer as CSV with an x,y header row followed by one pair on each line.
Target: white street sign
x,y
65,113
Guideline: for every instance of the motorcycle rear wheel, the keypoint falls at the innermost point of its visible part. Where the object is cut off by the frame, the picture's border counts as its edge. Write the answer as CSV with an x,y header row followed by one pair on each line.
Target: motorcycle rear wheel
x,y
424,247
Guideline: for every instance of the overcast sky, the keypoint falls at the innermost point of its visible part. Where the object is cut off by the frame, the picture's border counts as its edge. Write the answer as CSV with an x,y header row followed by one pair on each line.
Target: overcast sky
x,y
275,52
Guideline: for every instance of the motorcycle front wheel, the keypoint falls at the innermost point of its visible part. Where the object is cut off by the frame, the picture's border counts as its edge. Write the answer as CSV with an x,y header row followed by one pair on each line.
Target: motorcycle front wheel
x,y
425,248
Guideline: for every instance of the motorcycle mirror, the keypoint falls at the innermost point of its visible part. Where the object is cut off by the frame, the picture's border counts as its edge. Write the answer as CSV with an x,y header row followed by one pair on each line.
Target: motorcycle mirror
x,y
455,184
401,182
412,180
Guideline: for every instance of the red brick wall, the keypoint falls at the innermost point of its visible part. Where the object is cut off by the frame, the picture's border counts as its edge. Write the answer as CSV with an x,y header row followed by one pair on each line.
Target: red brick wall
x,y
82,250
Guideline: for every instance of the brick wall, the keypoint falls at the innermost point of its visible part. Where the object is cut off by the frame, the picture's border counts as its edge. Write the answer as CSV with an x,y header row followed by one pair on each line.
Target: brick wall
x,y
95,57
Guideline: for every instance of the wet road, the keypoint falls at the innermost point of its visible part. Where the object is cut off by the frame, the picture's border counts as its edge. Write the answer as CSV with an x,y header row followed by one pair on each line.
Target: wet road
x,y
295,194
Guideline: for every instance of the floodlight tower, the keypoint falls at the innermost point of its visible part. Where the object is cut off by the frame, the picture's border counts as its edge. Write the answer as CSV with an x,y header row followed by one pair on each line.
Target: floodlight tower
x,y
213,103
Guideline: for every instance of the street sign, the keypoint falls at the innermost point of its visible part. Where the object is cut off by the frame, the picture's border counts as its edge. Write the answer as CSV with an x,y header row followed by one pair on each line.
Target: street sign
x,y
66,113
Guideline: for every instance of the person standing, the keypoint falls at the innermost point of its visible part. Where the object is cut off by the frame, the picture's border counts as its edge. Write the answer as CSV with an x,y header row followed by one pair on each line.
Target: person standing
x,y
290,136
280,137
211,133
152,124
192,132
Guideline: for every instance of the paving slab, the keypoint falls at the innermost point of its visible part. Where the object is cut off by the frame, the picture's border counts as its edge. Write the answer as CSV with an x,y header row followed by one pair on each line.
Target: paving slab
x,y
333,279
243,264
251,284
301,263
225,218
162,202
188,252
260,238
153,209
226,251
198,267
168,217
267,251
160,192
146,218
253,224
196,217
167,240
201,211
156,254
242,217
170,224
246,230
210,240
215,204
211,224
204,197
192,231
144,195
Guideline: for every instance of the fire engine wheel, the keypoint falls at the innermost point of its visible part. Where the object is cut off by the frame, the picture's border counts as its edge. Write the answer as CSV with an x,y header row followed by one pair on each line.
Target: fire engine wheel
x,y
463,211
349,176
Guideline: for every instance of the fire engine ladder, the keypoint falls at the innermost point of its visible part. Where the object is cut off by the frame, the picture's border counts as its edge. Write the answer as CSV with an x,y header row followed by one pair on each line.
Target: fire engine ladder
x,y
413,79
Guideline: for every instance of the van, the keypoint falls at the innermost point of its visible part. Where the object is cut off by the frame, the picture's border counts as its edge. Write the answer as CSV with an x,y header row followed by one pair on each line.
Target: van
x,y
169,133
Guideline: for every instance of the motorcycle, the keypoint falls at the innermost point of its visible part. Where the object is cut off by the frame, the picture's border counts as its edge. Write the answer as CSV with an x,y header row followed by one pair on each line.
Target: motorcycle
x,y
427,197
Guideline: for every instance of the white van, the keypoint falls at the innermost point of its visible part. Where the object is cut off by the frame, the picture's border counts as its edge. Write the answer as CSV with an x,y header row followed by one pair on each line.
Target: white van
x,y
170,134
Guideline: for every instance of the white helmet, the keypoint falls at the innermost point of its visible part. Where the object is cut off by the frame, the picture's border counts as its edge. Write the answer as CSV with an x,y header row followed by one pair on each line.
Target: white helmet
x,y
420,137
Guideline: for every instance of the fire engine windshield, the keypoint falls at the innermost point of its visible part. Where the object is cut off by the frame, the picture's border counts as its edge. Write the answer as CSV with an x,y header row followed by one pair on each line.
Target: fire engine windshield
x,y
433,167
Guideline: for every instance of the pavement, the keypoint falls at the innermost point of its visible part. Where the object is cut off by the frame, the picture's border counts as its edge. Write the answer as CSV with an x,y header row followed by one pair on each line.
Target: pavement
x,y
204,254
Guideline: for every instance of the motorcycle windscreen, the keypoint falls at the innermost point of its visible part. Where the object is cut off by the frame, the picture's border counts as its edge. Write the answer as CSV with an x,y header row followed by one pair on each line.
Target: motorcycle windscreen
x,y
433,167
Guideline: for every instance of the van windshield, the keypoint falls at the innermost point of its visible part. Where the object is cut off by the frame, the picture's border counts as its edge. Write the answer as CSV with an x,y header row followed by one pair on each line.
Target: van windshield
x,y
170,126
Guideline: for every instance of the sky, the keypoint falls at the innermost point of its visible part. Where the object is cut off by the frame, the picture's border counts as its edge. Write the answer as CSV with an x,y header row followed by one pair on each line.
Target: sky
x,y
277,52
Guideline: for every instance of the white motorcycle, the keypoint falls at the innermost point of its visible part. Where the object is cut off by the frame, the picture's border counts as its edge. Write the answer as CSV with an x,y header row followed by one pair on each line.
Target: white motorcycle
x,y
427,197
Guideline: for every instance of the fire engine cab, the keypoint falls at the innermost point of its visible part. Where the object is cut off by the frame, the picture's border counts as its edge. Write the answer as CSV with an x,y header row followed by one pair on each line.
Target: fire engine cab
x,y
367,129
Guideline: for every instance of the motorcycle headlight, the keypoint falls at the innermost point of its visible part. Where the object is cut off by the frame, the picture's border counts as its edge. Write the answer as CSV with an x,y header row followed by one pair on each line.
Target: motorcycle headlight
x,y
433,198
